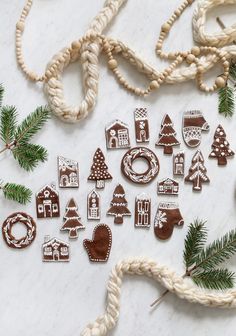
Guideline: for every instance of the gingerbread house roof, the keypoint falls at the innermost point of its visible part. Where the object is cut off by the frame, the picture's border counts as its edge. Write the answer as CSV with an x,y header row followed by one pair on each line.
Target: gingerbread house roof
x,y
49,188
143,197
118,123
55,241
168,181
93,192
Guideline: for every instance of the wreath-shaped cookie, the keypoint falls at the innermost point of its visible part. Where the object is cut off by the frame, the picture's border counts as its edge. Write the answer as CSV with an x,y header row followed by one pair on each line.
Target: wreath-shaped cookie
x,y
140,153
19,217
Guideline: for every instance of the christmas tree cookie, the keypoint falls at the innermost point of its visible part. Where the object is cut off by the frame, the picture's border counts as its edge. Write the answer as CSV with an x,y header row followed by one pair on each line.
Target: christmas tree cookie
x,y
220,147
99,170
197,172
167,136
72,220
119,205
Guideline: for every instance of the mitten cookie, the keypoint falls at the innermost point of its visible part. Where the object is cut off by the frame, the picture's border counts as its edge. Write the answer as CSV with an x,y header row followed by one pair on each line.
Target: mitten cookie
x,y
99,247
168,215
220,147
193,125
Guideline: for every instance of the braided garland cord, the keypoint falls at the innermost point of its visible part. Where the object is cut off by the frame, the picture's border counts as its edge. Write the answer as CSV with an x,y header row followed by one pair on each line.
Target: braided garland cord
x,y
211,49
169,279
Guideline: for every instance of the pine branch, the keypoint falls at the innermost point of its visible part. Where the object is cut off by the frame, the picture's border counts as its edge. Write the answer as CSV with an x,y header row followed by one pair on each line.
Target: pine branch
x,y
32,124
194,242
29,155
226,101
217,252
232,71
218,279
1,94
16,192
8,124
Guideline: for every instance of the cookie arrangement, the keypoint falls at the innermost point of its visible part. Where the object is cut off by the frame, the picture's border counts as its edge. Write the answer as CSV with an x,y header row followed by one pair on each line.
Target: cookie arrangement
x,y
168,214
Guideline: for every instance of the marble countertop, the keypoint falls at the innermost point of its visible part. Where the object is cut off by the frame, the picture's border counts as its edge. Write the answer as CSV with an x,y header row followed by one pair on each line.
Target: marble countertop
x,y
60,299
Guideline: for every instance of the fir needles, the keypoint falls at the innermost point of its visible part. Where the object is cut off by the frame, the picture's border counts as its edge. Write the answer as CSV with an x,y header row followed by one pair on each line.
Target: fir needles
x,y
202,262
227,94
16,138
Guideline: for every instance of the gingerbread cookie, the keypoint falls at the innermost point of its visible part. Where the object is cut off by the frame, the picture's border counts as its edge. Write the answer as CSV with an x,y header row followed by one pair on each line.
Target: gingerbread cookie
x,y
197,172
55,250
99,170
140,153
72,221
168,215
23,218
193,125
117,135
220,147
47,202
179,164
93,205
141,125
167,137
168,187
99,247
68,173
142,217
119,205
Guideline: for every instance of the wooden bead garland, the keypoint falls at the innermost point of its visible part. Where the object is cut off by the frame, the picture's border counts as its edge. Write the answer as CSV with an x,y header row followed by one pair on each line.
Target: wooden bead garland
x,y
212,49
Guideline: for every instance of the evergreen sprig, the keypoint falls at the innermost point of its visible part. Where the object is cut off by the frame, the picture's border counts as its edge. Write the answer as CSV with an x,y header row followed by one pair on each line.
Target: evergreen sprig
x,y
226,101
226,94
17,137
194,242
1,94
16,192
32,124
201,262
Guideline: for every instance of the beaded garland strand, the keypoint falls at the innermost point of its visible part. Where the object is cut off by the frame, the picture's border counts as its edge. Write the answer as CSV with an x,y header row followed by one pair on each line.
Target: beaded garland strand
x,y
212,49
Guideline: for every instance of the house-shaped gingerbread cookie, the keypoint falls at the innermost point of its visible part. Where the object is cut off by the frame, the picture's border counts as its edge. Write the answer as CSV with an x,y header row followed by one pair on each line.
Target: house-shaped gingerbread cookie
x,y
47,202
168,187
55,250
117,135
68,173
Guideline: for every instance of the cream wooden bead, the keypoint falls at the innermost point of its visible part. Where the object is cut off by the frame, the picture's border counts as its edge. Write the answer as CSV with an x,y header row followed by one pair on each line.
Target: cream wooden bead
x,y
154,85
220,82
190,58
165,27
195,51
20,25
112,64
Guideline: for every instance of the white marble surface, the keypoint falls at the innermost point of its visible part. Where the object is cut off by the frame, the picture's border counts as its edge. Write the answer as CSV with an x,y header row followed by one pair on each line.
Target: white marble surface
x,y
60,299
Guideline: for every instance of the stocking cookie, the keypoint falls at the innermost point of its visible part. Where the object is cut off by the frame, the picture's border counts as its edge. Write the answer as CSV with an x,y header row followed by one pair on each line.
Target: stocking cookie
x,y
99,170
93,205
23,218
167,137
99,247
179,164
168,187
168,215
117,135
47,202
193,125
220,147
141,125
68,173
119,205
72,220
197,172
142,216
55,250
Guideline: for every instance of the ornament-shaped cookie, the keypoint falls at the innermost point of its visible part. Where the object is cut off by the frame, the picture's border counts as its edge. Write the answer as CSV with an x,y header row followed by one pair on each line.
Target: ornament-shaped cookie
x,y
119,205
220,147
167,137
72,221
99,247
99,170
197,172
